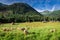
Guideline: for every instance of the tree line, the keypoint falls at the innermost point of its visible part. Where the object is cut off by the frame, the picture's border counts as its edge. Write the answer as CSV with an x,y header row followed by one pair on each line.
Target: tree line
x,y
21,12
7,18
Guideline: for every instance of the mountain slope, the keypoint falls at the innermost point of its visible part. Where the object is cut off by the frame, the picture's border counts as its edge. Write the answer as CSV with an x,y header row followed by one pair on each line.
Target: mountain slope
x,y
20,8
55,13
18,11
46,13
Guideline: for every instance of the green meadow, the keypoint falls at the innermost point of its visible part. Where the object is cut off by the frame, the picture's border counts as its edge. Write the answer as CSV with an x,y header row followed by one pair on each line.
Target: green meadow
x,y
37,31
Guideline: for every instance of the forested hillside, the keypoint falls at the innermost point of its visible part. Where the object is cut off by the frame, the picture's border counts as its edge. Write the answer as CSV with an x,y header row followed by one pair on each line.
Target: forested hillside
x,y
18,12
22,12
51,16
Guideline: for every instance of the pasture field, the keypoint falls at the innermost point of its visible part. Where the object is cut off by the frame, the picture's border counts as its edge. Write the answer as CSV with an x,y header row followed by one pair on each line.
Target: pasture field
x,y
37,31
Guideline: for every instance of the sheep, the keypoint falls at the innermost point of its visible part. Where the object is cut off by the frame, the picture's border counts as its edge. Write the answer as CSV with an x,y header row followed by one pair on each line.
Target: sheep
x,y
7,29
22,29
25,31
53,30
12,23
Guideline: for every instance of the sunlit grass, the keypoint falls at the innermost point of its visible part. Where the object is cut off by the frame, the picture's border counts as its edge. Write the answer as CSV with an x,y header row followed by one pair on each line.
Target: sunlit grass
x,y
38,31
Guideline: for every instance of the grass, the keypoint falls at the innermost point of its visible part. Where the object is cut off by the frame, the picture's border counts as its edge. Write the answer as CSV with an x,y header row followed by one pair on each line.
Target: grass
x,y
37,31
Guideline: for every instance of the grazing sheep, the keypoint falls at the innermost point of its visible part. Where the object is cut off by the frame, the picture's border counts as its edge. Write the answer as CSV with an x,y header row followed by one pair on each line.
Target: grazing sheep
x,y
7,29
22,29
25,31
52,30
12,23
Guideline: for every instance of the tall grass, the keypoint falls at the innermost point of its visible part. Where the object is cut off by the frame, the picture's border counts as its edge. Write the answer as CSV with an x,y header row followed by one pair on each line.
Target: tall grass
x,y
37,31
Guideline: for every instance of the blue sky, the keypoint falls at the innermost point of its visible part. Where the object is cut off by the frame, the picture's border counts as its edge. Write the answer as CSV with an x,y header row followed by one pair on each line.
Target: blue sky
x,y
39,5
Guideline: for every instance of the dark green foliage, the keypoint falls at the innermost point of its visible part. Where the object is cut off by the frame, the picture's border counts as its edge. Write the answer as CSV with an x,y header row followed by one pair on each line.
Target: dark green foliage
x,y
18,12
22,12
51,16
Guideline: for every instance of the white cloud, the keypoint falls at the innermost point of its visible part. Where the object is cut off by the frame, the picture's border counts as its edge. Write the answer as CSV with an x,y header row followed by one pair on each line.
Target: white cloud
x,y
53,8
39,10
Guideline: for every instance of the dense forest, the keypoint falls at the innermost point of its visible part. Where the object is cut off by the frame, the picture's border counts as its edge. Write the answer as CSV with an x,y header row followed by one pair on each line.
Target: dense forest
x,y
22,12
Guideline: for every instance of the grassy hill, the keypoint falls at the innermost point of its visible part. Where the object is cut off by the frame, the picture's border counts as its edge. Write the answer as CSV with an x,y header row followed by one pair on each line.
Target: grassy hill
x,y
54,15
